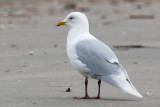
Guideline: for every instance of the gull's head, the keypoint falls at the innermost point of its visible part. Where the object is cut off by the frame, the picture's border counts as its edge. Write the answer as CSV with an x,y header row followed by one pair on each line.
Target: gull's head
x,y
75,20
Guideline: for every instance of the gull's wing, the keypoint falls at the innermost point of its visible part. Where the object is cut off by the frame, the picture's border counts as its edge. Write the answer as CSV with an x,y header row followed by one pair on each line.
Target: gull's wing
x,y
98,57
104,65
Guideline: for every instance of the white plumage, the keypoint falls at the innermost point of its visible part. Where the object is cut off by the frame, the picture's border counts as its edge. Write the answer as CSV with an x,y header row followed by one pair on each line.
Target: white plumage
x,y
92,58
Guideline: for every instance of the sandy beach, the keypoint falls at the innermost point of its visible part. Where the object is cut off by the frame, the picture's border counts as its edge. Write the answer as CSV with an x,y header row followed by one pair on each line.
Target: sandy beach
x,y
35,70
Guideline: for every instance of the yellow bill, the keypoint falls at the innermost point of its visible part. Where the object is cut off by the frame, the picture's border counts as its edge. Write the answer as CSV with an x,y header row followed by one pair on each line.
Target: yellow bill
x,y
60,23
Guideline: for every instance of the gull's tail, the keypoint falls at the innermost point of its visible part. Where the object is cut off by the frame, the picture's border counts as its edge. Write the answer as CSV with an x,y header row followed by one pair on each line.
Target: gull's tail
x,y
122,82
124,85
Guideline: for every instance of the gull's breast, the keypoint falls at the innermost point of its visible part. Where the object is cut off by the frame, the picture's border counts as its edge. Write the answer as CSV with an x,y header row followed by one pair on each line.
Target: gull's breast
x,y
73,57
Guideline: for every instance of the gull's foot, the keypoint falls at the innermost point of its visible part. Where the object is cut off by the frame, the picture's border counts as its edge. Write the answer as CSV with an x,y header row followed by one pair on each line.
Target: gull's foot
x,y
86,97
96,97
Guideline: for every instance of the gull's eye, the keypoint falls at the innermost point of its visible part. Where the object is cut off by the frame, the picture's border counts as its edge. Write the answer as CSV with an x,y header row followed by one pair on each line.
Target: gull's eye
x,y
71,18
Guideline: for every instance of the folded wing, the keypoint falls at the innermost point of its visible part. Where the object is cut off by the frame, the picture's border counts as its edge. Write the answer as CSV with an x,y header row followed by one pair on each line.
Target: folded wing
x,y
104,65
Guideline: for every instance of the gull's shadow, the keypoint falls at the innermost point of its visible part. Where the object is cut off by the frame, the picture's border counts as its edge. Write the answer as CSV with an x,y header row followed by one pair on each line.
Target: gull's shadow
x,y
116,99
110,99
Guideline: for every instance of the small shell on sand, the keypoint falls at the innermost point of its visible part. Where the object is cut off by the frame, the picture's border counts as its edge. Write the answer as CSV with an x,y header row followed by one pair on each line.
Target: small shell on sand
x,y
30,52
149,93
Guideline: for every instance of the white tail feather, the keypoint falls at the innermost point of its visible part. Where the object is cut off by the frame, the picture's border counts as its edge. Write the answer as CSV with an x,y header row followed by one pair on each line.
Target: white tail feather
x,y
121,83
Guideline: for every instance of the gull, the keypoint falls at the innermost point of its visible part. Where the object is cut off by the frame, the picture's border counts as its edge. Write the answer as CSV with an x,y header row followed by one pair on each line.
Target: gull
x,y
92,58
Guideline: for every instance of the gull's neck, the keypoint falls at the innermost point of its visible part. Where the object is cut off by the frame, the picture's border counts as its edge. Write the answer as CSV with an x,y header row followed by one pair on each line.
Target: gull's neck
x,y
76,35
81,27
79,32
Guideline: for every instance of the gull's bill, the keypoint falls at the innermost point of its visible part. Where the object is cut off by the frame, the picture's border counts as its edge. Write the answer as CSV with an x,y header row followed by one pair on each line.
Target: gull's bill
x,y
60,23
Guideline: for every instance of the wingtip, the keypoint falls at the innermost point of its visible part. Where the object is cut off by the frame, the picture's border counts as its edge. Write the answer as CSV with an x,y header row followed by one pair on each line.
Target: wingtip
x,y
140,96
133,92
137,94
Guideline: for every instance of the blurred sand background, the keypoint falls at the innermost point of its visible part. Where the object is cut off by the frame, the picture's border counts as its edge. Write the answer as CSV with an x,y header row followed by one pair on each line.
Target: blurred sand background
x,y
35,70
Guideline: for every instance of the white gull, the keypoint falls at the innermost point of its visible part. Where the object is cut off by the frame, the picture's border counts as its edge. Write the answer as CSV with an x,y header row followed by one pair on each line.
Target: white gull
x,y
92,58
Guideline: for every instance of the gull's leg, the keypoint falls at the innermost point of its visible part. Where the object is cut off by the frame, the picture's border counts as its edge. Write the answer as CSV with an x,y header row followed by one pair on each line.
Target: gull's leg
x,y
99,89
86,86
86,93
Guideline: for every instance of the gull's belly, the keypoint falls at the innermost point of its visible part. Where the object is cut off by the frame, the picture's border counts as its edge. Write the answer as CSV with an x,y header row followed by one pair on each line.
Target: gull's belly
x,y
76,63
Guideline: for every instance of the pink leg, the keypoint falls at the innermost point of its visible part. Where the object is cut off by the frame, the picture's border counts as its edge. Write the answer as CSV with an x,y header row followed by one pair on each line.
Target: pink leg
x,y
86,93
99,87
